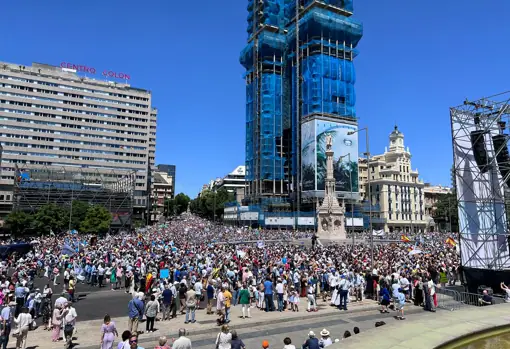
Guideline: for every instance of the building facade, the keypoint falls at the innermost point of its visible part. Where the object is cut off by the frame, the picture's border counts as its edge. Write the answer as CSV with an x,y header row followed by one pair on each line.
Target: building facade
x,y
398,195
299,88
163,188
53,117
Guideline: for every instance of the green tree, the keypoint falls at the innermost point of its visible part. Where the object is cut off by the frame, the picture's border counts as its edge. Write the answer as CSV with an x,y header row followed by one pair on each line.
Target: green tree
x,y
446,209
181,203
51,216
79,212
169,208
18,222
97,220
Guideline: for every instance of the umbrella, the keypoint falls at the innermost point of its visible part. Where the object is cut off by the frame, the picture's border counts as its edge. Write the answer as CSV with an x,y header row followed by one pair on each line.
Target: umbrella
x,y
413,252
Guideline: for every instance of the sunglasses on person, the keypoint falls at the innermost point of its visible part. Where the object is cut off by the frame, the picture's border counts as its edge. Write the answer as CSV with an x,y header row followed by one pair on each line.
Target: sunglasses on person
x,y
133,341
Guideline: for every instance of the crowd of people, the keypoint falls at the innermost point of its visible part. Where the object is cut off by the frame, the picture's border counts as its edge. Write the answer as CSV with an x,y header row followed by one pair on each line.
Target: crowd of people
x,y
175,268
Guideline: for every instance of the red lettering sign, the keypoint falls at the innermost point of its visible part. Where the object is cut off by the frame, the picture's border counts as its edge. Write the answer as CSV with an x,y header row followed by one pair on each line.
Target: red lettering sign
x,y
91,70
115,75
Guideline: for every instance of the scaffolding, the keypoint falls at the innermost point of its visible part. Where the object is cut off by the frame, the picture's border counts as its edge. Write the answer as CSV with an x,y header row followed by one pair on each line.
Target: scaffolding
x,y
283,88
35,186
480,150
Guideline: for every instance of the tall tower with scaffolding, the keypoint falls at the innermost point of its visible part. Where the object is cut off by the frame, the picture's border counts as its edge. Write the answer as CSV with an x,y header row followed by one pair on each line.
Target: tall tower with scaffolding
x,y
299,70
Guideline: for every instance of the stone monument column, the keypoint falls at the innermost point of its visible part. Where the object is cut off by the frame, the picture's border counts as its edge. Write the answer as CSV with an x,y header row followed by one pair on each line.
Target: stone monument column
x,y
330,215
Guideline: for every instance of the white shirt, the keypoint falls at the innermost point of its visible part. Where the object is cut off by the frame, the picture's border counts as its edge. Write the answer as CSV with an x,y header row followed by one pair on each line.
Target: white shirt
x,y
23,320
182,343
325,342
279,287
71,316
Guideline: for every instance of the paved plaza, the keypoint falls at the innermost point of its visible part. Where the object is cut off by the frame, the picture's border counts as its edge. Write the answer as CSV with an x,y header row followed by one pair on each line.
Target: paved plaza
x,y
271,326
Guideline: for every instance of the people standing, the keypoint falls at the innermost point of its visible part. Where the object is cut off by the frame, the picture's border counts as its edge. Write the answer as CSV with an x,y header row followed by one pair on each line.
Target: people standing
x,y
191,304
56,321
268,294
167,303
343,286
135,313
7,317
151,311
108,333
182,342
24,320
244,300
228,304
210,298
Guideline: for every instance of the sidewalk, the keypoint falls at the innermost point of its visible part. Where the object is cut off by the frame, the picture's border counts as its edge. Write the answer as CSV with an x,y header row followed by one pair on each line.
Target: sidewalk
x,y
88,335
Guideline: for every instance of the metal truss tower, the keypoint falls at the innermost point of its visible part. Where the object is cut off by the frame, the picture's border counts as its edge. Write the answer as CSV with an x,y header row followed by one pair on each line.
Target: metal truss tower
x,y
35,186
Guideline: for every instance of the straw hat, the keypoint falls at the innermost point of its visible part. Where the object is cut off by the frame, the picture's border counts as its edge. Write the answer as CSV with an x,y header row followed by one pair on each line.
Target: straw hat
x,y
324,333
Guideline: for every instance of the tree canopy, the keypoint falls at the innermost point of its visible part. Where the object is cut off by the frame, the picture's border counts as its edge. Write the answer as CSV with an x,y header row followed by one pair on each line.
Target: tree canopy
x,y
54,218
210,204
446,208
97,220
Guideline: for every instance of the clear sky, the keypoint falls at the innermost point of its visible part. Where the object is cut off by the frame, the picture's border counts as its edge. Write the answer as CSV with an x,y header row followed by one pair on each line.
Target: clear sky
x,y
417,58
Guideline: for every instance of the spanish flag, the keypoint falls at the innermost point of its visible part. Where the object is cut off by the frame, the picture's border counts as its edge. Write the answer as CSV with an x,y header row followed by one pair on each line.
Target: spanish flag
x,y
148,282
404,238
451,242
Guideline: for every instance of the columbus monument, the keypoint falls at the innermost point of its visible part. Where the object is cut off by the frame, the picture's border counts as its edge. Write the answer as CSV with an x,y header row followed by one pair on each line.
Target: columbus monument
x,y
330,215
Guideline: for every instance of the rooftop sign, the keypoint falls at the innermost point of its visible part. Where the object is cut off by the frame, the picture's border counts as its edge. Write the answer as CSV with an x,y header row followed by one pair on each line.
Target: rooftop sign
x,y
91,70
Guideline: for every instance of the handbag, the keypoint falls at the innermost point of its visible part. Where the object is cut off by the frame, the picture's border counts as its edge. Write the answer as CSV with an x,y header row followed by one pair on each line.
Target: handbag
x,y
218,340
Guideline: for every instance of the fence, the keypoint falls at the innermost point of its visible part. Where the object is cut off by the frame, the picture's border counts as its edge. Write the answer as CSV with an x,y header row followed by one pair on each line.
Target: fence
x,y
448,299
453,300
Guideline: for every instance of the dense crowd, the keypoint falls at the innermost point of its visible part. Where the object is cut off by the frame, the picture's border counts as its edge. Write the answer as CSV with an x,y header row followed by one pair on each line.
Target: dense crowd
x,y
172,269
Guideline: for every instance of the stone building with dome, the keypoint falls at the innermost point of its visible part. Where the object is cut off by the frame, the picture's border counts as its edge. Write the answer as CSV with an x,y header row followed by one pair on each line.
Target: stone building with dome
x,y
398,196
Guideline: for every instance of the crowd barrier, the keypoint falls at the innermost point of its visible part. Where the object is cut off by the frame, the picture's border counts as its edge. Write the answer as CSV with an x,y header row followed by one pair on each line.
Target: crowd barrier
x,y
448,299
452,300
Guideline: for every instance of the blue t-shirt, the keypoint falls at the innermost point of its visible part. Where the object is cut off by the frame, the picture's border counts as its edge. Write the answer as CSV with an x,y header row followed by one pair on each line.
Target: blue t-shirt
x,y
268,287
167,296
401,299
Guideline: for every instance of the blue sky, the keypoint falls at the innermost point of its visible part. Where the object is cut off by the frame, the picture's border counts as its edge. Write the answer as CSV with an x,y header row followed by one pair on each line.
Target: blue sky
x,y
417,58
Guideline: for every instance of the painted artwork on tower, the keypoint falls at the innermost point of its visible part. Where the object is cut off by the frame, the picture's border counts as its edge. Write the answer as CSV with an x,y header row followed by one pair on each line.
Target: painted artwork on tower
x,y
313,155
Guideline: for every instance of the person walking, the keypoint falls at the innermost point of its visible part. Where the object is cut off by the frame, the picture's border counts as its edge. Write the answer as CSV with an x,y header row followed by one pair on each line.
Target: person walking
x,y
24,320
224,338
151,311
108,333
244,300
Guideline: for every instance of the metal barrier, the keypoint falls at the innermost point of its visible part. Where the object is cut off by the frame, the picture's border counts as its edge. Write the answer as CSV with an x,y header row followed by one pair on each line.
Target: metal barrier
x,y
473,299
448,299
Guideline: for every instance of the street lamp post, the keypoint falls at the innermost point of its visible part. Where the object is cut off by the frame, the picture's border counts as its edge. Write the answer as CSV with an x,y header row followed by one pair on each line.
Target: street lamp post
x,y
71,210
369,193
348,155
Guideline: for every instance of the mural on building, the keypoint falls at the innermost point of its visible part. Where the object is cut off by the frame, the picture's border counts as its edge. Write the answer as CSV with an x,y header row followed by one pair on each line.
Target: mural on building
x,y
313,155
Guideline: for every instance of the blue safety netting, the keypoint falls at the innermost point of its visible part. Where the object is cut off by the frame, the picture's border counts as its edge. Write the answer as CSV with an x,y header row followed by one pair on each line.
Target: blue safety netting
x,y
318,22
270,45
328,86
267,12
250,141
290,6
271,127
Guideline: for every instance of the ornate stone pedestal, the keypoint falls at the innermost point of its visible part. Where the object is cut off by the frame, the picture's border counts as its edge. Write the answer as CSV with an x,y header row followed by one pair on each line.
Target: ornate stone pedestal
x,y
330,215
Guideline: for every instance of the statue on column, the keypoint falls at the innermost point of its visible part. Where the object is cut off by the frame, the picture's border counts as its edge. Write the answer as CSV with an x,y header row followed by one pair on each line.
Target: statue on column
x,y
331,215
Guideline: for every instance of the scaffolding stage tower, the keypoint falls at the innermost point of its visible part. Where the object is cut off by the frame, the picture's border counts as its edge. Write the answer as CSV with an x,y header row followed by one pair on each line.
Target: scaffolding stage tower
x,y
35,186
481,169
